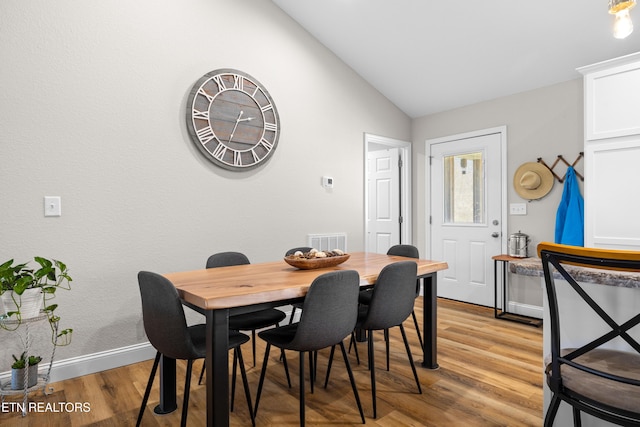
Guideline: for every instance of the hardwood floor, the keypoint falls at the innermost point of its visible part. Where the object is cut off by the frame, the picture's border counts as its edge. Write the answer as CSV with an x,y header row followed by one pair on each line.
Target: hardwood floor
x,y
490,375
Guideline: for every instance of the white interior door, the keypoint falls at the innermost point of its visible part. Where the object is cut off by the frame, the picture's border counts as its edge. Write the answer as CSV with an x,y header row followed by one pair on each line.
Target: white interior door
x,y
467,213
383,180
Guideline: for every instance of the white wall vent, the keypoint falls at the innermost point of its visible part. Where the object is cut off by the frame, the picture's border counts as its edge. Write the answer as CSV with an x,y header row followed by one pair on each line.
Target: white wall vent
x,y
328,242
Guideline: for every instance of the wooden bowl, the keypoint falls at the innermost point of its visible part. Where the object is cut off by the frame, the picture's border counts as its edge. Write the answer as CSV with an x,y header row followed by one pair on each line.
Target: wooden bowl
x,y
313,263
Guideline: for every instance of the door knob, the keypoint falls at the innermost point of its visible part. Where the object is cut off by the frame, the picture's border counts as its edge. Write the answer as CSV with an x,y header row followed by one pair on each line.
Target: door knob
x,y
495,234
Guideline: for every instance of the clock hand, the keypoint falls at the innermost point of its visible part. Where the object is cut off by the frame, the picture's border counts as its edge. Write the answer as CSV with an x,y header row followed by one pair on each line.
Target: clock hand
x,y
236,125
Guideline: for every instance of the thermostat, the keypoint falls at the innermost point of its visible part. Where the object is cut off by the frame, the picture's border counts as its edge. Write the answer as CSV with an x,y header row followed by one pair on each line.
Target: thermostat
x,y
327,182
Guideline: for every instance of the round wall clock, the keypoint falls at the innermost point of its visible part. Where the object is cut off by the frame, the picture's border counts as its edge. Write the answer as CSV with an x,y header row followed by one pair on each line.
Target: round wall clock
x,y
232,119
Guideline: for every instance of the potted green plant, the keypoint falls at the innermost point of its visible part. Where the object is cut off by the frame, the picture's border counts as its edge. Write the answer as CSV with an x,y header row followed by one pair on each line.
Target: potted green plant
x,y
18,370
32,368
19,283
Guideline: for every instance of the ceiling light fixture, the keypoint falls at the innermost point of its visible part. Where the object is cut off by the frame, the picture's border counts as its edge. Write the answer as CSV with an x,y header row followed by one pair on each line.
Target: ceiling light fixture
x,y
622,25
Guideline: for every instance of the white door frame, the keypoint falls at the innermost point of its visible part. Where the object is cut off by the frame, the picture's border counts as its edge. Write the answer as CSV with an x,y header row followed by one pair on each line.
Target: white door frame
x,y
502,130
404,150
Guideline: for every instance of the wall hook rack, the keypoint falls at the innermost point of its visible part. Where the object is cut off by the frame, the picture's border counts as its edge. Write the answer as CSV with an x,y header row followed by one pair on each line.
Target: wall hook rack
x,y
563,160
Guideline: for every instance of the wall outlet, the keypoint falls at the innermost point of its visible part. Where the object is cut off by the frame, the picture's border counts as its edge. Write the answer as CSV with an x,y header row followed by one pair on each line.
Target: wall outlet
x,y
518,208
52,206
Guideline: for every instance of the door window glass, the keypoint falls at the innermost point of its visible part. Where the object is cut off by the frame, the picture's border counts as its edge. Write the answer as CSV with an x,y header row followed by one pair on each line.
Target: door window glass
x,y
464,189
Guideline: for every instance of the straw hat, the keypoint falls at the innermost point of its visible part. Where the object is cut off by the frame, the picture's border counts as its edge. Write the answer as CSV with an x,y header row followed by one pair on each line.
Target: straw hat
x,y
533,181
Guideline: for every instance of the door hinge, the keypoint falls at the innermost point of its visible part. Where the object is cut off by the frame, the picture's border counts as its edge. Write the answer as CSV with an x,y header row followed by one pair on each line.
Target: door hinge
x,y
400,220
429,219
400,162
430,160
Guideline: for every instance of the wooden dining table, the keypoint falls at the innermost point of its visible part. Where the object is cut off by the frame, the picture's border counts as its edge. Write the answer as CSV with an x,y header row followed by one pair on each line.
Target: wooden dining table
x,y
220,292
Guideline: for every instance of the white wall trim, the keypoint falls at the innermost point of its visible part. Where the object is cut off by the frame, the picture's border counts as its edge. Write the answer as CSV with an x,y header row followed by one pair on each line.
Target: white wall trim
x,y
404,148
110,359
96,362
525,309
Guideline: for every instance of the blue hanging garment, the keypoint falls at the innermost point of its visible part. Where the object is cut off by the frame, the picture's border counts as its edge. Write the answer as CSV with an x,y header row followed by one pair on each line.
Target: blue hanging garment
x,y
570,215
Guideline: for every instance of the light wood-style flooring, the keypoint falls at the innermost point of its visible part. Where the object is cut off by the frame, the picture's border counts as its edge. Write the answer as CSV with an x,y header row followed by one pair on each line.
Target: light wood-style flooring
x,y
490,375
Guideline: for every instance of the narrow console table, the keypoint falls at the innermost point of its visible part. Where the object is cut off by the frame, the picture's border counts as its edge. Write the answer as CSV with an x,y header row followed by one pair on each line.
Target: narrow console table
x,y
504,314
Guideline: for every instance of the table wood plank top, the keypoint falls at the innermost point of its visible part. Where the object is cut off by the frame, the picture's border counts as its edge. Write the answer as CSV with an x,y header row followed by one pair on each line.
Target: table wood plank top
x,y
242,285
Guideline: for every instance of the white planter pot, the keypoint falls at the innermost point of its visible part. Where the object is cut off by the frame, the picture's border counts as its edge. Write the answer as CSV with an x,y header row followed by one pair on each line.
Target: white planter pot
x,y
30,302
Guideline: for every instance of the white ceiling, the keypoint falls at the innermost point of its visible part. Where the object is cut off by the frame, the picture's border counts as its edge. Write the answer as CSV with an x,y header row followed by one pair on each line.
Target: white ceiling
x,y
428,56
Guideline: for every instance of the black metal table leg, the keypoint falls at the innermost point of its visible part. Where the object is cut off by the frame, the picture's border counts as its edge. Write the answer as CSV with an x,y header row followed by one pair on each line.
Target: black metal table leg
x,y
217,366
430,321
167,402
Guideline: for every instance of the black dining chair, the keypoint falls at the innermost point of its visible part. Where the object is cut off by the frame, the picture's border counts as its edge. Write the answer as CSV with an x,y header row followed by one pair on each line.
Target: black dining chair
x,y
296,305
254,320
592,378
392,301
329,314
408,251
166,328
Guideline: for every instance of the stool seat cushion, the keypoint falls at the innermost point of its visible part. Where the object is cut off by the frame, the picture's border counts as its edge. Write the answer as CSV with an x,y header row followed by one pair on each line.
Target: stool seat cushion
x,y
610,392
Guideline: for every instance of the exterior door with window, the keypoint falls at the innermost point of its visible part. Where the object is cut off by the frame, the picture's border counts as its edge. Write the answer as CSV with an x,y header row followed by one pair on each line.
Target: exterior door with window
x,y
466,214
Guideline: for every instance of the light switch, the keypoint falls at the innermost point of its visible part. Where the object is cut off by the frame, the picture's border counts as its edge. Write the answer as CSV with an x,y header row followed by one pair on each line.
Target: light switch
x,y
518,208
52,206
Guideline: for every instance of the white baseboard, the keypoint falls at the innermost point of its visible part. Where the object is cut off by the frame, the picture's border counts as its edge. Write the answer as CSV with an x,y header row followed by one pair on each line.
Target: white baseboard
x,y
525,309
96,362
110,359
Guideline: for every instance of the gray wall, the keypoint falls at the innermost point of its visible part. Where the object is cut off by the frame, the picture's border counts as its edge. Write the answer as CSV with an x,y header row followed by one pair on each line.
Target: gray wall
x,y
93,110
541,123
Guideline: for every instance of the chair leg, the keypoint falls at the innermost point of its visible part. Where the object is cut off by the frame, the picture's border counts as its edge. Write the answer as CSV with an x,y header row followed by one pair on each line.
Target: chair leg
x,y
326,378
352,341
386,341
253,346
415,322
355,348
204,364
243,372
577,421
315,365
233,379
147,391
262,373
372,368
187,386
413,366
351,379
312,374
283,356
552,410
302,389
293,313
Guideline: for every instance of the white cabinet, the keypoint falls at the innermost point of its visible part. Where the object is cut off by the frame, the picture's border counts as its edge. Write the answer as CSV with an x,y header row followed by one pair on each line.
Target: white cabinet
x,y
612,153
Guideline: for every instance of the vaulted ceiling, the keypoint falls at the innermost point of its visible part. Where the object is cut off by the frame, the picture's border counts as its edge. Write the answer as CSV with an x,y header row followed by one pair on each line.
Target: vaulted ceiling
x,y
429,56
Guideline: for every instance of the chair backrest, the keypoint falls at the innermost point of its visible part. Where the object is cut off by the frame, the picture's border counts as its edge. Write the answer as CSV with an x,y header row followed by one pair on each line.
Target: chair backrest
x,y
301,249
409,251
163,317
329,312
393,296
226,259
564,262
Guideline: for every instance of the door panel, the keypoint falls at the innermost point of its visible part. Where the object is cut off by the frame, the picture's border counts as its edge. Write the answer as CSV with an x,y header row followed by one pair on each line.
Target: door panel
x,y
466,209
384,200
